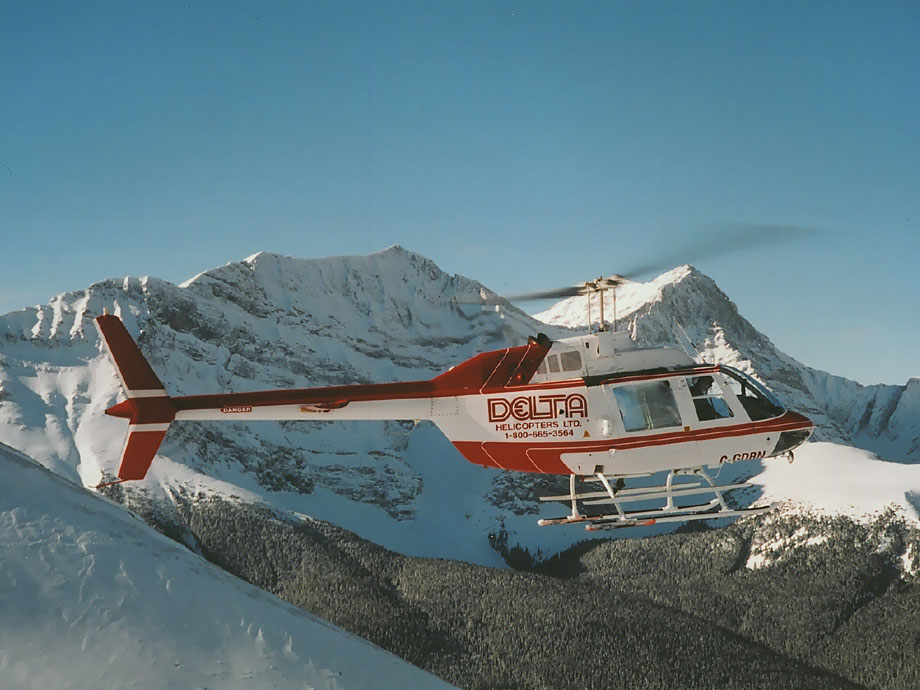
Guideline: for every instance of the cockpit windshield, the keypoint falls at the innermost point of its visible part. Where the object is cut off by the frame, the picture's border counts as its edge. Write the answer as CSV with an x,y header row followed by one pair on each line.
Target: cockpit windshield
x,y
757,400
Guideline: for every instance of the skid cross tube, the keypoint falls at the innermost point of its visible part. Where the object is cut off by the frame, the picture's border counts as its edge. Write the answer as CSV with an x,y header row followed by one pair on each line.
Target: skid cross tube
x,y
614,494
602,498
611,522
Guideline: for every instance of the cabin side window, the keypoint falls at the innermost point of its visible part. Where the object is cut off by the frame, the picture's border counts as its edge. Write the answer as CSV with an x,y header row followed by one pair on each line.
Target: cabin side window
x,y
542,368
553,363
570,361
645,406
707,399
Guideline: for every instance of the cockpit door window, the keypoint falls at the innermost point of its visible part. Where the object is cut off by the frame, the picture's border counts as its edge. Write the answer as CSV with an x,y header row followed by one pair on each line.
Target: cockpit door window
x,y
707,398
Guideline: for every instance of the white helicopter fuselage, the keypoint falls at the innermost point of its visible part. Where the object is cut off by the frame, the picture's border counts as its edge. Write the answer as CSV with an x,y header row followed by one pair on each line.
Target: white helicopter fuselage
x,y
596,404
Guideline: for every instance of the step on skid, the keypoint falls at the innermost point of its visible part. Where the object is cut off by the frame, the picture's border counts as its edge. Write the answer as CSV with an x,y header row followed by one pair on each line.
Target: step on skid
x,y
616,495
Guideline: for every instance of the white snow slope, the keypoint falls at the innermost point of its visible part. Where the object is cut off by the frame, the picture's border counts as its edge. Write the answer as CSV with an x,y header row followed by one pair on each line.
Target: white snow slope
x,y
834,479
90,597
272,322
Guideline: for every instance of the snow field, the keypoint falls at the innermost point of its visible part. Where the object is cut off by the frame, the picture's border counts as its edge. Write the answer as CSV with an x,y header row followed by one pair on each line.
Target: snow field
x,y
93,598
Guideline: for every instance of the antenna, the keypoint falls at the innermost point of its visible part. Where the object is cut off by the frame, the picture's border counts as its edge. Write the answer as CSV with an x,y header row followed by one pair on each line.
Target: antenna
x,y
600,292
588,295
614,308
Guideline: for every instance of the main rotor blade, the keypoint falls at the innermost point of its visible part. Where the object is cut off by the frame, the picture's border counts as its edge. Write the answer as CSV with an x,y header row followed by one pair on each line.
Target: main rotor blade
x,y
724,238
558,293
718,239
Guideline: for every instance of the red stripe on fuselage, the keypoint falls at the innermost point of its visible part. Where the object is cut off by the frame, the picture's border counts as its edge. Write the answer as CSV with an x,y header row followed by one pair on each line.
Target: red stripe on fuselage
x,y
788,421
547,457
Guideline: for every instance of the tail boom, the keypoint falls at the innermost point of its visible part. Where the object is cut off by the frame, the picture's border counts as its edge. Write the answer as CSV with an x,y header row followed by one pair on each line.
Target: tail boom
x,y
150,410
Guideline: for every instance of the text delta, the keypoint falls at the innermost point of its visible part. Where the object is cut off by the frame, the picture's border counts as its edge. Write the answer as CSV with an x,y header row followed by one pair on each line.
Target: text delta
x,y
529,407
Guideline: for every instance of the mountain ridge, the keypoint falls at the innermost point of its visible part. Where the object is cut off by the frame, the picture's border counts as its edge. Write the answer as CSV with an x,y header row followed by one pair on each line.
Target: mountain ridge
x,y
272,321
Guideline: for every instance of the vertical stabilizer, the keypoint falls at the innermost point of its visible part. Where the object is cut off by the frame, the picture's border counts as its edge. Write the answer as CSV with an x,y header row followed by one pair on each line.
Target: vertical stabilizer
x,y
148,408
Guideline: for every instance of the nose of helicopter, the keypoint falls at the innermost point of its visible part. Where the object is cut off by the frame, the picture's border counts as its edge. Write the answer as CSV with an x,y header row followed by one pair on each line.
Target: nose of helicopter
x,y
796,430
795,417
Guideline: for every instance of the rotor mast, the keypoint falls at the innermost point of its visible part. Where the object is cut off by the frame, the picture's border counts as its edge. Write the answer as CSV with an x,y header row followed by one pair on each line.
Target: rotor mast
x,y
600,286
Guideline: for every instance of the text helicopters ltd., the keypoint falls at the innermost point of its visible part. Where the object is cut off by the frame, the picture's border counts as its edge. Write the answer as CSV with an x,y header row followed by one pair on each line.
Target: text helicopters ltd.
x,y
594,407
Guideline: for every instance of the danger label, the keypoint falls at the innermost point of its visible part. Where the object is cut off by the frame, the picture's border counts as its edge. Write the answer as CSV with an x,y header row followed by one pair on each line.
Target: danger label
x,y
235,409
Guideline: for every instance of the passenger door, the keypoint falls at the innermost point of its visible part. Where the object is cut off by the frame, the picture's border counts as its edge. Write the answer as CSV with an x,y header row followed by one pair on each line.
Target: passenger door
x,y
651,417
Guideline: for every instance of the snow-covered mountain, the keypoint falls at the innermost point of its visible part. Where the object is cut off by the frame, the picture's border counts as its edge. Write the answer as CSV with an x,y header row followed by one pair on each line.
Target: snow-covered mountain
x,y
93,598
272,321
83,580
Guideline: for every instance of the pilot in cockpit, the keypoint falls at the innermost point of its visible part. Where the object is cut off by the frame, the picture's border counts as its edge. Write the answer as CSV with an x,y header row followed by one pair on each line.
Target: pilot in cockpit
x,y
708,400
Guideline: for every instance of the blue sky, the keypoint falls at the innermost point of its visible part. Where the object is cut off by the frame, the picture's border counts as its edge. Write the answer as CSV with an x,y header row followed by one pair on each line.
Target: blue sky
x,y
524,144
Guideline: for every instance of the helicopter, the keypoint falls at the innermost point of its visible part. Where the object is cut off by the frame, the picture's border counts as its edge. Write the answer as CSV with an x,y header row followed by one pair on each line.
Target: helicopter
x,y
596,408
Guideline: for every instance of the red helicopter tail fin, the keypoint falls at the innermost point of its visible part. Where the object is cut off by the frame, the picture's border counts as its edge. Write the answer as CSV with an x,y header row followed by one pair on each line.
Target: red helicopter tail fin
x,y
148,408
135,372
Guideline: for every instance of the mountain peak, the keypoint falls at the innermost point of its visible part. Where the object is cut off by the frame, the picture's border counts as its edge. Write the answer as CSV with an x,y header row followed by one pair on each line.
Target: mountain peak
x,y
679,273
685,273
633,296
252,258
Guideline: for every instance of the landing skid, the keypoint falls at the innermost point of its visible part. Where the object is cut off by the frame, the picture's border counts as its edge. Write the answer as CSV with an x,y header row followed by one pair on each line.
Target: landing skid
x,y
617,496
